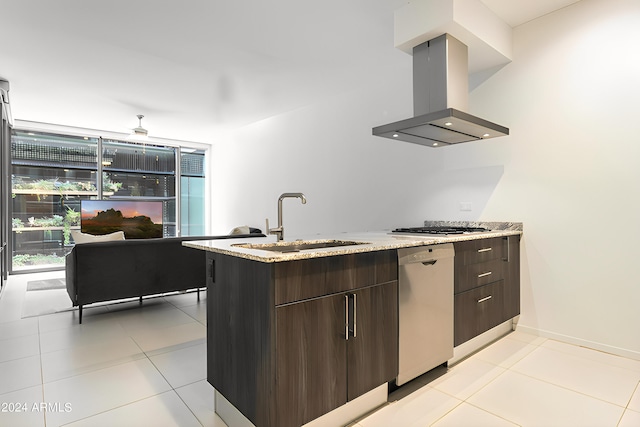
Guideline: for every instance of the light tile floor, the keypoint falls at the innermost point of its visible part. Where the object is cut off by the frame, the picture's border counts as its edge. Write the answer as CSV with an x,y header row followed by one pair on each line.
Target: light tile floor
x,y
128,365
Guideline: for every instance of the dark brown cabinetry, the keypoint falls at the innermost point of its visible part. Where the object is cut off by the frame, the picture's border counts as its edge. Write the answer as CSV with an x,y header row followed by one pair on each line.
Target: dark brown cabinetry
x,y
291,341
486,285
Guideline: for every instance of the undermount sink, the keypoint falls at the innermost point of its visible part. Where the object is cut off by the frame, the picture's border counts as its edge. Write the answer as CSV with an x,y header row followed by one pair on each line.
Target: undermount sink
x,y
299,245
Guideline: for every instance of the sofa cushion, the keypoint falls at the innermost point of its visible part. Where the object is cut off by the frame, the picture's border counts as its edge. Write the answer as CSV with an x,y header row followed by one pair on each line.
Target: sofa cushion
x,y
241,230
80,238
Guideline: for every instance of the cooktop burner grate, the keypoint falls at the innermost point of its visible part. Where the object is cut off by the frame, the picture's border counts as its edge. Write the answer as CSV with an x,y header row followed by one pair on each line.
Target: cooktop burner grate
x,y
440,230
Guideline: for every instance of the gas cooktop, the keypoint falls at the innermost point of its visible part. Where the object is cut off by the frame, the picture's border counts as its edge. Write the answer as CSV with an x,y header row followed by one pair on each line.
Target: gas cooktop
x,y
440,230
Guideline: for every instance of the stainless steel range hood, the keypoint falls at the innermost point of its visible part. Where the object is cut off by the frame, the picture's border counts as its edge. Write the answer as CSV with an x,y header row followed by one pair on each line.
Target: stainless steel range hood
x,y
440,98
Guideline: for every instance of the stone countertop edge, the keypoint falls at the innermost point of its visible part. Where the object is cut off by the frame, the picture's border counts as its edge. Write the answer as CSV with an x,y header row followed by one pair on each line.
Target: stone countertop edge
x,y
376,241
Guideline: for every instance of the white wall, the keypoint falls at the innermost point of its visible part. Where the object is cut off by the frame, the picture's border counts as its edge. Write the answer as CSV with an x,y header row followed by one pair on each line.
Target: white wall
x,y
567,171
352,180
570,170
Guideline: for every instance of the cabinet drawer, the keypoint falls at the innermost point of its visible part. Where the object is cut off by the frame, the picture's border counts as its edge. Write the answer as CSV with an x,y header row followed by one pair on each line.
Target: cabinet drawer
x,y
316,277
481,250
474,275
478,310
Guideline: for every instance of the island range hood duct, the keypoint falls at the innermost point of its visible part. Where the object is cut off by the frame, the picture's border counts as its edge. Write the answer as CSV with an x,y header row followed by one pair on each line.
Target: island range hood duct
x,y
440,98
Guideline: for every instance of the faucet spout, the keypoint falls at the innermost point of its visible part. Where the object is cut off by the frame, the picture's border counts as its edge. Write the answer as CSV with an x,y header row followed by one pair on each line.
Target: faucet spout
x,y
279,231
293,195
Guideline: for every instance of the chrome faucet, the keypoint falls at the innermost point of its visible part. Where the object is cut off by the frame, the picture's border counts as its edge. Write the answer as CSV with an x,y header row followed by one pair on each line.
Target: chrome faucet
x,y
279,231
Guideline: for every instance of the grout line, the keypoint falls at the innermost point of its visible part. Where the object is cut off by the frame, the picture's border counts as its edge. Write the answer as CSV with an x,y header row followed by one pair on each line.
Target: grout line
x,y
117,407
495,415
565,388
636,390
189,407
449,411
41,372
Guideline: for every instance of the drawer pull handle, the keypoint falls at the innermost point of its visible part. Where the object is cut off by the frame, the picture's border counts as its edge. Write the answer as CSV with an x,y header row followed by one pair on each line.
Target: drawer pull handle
x,y
484,299
355,315
484,250
346,317
488,273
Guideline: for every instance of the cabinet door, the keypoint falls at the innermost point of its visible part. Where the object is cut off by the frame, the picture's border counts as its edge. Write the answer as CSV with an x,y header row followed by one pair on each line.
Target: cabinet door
x,y
311,369
241,334
373,351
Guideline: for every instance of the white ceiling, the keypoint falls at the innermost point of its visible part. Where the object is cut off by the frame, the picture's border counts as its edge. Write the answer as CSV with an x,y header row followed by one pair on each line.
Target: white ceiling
x,y
195,68
517,12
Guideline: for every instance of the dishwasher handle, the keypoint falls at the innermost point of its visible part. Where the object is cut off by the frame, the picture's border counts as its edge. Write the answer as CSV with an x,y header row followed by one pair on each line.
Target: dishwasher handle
x,y
425,255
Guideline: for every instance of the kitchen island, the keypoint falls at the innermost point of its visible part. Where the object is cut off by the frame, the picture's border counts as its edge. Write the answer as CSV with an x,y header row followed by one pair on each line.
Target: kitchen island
x,y
294,336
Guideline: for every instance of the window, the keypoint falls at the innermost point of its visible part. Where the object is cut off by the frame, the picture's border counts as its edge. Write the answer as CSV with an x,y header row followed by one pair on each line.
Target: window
x,y
52,173
192,188
141,171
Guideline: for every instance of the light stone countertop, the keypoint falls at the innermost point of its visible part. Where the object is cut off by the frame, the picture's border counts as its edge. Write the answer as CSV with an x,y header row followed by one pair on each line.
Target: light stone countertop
x,y
374,241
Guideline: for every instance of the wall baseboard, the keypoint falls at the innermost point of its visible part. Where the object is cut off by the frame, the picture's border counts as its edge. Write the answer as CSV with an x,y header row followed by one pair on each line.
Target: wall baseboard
x,y
630,354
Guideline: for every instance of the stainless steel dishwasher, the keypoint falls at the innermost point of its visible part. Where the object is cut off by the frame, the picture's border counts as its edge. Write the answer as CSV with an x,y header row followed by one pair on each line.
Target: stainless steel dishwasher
x,y
425,309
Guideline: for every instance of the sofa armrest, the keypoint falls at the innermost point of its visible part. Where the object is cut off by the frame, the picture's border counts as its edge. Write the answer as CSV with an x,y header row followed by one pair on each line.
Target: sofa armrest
x,y
70,276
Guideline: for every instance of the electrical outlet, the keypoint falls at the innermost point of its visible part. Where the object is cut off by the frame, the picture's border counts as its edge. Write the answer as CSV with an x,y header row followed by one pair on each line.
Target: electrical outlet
x,y
465,206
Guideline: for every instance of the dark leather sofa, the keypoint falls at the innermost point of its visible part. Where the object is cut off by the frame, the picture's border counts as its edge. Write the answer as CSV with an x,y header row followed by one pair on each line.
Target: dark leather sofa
x,y
105,271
